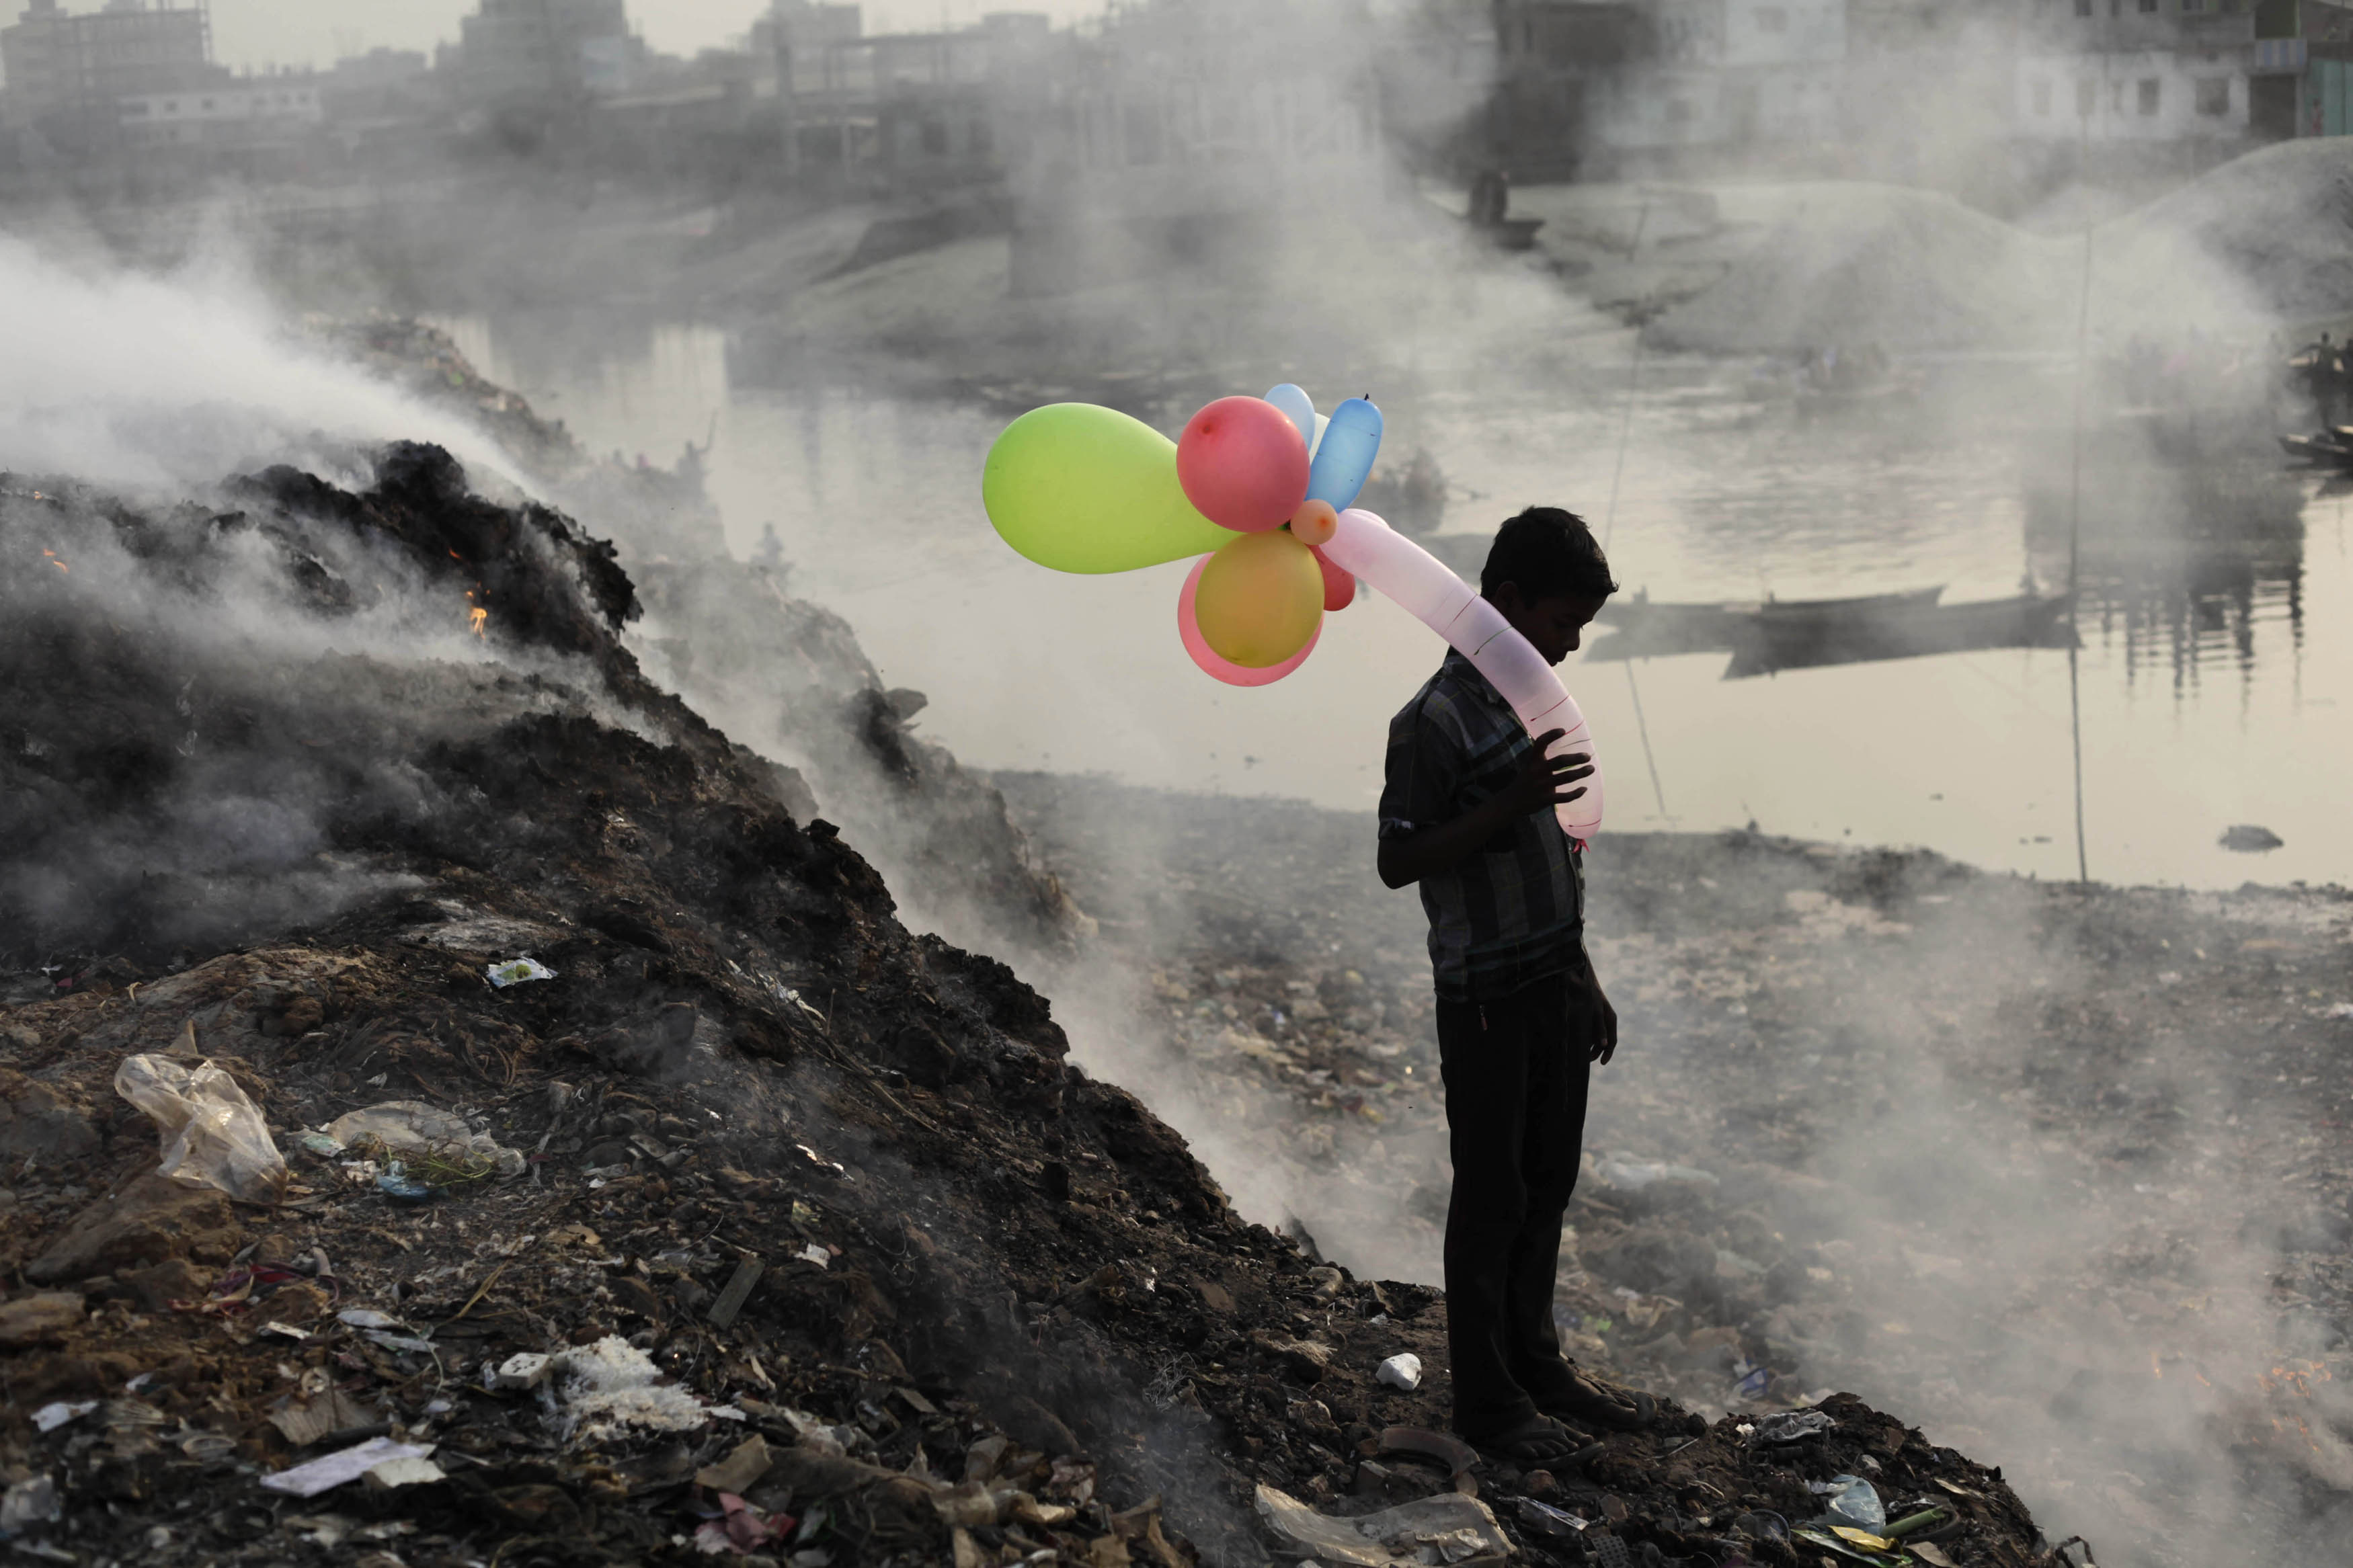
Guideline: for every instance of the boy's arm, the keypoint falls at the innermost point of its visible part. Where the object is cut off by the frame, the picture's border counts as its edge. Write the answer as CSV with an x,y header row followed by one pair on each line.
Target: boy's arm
x,y
1543,783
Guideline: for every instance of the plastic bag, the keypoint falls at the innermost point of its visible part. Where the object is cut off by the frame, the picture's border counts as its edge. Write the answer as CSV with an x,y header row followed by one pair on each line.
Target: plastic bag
x,y
412,1128
214,1136
1855,1501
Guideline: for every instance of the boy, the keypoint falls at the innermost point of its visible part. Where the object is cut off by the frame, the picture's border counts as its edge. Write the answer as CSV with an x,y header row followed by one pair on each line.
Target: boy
x,y
1467,812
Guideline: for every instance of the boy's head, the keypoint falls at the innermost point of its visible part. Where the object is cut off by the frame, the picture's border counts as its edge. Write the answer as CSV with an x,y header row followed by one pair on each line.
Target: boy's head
x,y
1547,575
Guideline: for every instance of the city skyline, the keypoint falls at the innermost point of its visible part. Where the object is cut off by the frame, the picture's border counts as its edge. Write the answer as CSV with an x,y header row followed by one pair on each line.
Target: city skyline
x,y
253,34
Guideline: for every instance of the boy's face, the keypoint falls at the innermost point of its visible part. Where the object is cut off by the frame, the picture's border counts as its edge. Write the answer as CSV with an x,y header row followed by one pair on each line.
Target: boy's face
x,y
1554,624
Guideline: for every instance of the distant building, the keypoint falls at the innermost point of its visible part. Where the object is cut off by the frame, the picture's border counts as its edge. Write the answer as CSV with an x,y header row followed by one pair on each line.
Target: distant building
x,y
379,70
791,26
545,51
67,74
895,110
1185,132
246,114
2314,42
2158,73
2173,71
1647,82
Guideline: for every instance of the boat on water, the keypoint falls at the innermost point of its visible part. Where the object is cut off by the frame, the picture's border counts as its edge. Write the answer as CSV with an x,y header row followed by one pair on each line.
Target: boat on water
x,y
1413,499
1645,629
1771,645
2331,448
1510,233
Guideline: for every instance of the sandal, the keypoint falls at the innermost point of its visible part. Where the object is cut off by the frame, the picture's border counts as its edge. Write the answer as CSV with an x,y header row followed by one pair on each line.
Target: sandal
x,y
1531,1444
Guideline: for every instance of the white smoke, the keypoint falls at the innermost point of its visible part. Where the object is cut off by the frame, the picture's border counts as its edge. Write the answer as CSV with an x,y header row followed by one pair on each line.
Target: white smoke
x,y
129,379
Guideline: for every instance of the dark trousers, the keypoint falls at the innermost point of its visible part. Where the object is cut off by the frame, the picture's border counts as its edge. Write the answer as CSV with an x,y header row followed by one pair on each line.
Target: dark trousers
x,y
1516,1071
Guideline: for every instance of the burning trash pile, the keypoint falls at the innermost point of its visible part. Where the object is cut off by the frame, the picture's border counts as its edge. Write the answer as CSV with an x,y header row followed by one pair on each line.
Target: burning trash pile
x,y
651,511
455,1113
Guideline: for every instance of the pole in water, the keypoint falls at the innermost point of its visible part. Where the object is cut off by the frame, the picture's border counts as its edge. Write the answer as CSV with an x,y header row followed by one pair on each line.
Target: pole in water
x,y
1642,727
1633,381
2075,540
1609,519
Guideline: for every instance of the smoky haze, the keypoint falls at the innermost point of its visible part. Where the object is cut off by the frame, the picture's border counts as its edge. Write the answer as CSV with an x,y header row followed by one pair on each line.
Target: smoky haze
x,y
2100,1313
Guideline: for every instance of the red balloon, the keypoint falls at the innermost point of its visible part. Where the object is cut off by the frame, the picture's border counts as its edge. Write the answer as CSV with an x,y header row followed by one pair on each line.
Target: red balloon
x,y
1339,586
1243,464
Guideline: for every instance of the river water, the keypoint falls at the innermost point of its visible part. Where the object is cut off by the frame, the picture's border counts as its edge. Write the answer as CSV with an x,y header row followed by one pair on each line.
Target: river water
x,y
2216,673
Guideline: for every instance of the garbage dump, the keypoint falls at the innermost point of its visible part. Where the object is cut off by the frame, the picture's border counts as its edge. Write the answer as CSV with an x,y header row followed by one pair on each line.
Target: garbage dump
x,y
2056,1172
815,1245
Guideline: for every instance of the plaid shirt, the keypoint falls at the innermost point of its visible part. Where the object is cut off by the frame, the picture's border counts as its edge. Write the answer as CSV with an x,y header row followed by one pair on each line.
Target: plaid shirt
x,y
1512,911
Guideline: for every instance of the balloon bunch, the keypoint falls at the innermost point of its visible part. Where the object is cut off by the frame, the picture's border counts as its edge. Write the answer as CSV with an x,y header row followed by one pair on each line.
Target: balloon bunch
x,y
1254,486
1259,488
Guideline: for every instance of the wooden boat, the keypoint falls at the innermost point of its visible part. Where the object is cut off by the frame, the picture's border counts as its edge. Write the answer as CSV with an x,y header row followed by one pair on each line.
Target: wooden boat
x,y
2029,620
1413,499
1507,234
1648,630
2330,448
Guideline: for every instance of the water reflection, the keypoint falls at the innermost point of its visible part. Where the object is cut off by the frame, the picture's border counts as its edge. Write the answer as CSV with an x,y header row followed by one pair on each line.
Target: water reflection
x,y
2184,566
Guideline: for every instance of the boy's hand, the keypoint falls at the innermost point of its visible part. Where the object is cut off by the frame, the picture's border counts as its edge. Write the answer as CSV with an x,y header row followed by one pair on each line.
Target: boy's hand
x,y
1605,1036
1544,781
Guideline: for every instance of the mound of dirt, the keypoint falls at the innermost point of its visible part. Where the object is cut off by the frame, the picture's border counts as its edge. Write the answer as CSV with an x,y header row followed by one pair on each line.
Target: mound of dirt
x,y
2281,220
279,799
1848,264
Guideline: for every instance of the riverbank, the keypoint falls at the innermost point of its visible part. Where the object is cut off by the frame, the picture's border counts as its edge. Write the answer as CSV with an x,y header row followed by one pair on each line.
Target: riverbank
x,y
2063,1172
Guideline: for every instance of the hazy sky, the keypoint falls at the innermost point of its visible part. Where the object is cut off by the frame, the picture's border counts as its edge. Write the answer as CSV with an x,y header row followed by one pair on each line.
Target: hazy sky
x,y
315,32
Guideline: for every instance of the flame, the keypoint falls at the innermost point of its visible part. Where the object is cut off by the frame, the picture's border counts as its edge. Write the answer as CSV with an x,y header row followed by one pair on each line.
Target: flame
x,y
2295,1377
477,615
54,561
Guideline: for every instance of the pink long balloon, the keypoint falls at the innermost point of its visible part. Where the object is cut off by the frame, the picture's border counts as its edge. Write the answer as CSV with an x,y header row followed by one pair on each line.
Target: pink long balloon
x,y
1402,571
1189,627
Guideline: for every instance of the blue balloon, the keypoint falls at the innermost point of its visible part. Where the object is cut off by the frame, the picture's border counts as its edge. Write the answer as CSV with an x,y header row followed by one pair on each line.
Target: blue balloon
x,y
1346,455
1298,407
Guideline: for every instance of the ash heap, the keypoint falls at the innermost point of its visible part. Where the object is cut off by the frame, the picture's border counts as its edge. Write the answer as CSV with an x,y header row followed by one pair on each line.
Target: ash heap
x,y
577,1161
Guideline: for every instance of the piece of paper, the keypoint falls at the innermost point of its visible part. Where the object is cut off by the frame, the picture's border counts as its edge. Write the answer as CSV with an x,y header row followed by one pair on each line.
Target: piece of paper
x,y
350,1465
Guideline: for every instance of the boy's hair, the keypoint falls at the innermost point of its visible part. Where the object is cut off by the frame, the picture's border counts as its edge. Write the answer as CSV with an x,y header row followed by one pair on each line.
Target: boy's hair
x,y
1548,553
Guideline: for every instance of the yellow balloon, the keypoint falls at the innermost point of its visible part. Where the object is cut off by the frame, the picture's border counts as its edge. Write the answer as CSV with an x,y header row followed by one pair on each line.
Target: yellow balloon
x,y
1259,599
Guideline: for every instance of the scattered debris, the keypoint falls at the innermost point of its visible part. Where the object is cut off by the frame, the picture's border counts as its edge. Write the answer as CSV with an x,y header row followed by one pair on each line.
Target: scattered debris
x,y
398,1184
1446,1529
517,971
612,1384
51,1416
439,1143
214,1134
1402,1371
348,1465
1792,1427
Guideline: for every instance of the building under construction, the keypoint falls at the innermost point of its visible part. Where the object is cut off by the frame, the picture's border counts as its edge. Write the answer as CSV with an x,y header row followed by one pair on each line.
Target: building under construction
x,y
68,74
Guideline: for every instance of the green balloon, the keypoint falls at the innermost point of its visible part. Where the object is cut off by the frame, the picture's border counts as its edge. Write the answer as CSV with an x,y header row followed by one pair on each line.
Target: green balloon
x,y
1081,487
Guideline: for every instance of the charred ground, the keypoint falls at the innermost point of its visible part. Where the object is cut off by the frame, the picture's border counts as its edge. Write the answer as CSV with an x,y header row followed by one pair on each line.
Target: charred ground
x,y
278,796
